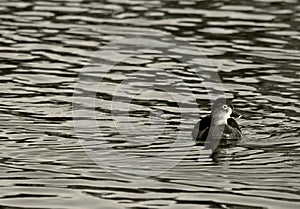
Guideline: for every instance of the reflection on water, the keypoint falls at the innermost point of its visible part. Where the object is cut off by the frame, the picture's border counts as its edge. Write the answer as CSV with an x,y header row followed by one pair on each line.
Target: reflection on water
x,y
44,46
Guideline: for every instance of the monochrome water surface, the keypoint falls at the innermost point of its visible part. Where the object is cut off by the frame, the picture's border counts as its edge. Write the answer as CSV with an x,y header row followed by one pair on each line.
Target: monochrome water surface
x,y
254,46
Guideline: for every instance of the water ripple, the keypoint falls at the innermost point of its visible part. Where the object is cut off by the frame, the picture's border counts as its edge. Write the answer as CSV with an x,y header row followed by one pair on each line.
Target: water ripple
x,y
45,45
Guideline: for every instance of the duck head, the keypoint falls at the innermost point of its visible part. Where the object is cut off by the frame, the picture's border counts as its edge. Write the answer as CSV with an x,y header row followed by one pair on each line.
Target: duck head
x,y
222,111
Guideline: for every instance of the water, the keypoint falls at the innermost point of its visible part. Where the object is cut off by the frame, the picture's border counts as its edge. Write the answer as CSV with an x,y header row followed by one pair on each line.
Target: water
x,y
45,45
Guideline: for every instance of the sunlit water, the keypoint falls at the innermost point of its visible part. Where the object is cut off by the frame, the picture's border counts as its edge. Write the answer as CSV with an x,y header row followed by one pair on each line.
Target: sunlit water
x,y
254,45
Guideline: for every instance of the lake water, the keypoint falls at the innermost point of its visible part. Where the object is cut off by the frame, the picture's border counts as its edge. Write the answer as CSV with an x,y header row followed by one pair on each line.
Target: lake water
x,y
99,99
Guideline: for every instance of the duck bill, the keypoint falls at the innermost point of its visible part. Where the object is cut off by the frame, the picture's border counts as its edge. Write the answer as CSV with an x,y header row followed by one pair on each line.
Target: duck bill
x,y
235,114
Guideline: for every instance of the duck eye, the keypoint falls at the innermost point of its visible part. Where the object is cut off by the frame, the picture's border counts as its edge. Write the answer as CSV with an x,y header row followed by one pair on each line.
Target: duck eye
x,y
225,107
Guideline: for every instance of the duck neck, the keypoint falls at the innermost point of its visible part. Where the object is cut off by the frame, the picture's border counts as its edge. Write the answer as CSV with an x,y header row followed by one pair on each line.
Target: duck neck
x,y
219,121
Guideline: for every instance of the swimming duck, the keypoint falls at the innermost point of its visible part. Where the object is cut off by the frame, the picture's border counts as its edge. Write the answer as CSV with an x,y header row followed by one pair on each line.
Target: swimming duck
x,y
219,126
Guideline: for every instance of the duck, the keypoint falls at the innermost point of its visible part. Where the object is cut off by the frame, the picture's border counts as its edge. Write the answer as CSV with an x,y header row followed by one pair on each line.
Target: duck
x,y
219,127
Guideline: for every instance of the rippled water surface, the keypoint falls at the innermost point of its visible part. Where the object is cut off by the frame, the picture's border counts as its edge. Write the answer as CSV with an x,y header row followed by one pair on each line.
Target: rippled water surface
x,y
146,103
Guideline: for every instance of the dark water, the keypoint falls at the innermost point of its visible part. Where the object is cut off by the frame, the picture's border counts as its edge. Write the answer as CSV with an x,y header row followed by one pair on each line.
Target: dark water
x,y
255,47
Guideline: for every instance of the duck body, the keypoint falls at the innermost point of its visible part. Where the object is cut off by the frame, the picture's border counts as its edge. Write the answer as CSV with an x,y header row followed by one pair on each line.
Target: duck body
x,y
219,125
231,130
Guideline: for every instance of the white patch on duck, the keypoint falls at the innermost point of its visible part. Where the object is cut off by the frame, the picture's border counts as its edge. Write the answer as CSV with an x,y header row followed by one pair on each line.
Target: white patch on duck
x,y
223,120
